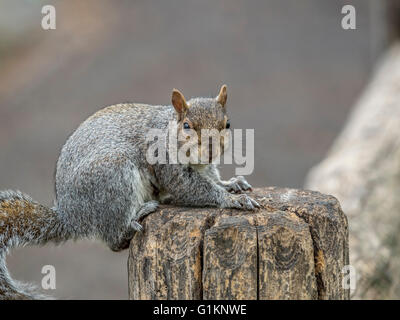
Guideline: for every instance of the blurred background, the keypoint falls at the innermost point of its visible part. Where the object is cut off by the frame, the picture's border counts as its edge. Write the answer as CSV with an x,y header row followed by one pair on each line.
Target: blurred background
x,y
292,73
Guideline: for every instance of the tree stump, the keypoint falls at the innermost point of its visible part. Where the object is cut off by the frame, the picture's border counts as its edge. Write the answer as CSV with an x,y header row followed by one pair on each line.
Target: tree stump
x,y
294,247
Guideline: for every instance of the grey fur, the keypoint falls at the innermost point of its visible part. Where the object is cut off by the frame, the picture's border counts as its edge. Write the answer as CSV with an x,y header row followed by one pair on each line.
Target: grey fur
x,y
104,184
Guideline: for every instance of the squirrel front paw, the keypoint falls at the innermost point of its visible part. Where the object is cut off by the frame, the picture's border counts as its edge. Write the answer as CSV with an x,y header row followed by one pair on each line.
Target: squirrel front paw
x,y
242,201
237,184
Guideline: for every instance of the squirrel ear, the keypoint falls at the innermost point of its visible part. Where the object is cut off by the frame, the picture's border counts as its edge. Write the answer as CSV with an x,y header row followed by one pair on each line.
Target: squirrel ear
x,y
222,96
179,102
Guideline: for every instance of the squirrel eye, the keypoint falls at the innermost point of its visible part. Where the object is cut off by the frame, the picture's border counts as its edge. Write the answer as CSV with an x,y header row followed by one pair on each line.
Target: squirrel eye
x,y
228,124
186,125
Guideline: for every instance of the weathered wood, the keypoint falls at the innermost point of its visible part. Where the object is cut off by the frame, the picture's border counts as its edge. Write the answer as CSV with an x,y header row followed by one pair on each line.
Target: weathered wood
x,y
230,260
167,256
362,170
294,247
287,252
329,232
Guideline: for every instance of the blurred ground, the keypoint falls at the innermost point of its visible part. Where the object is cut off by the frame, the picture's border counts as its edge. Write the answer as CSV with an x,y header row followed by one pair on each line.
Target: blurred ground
x,y
292,74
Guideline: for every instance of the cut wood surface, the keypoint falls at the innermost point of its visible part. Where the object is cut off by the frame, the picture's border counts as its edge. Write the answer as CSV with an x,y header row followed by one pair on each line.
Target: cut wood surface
x,y
294,247
362,170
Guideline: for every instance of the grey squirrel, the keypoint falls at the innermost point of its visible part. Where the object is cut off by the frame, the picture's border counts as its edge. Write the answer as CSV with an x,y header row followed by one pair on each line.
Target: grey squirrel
x,y
104,184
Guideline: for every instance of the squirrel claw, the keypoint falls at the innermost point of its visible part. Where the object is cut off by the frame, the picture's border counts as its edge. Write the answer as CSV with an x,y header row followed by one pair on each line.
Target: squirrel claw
x,y
137,226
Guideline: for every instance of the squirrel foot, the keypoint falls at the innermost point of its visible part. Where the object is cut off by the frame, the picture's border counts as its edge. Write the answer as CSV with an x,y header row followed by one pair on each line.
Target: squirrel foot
x,y
237,185
145,209
242,201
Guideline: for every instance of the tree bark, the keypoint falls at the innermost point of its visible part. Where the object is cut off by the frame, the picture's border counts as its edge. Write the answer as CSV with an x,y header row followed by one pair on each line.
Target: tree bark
x,y
362,170
294,247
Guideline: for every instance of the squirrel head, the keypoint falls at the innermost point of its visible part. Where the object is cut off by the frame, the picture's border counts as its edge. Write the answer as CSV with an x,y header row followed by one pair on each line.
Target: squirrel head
x,y
208,119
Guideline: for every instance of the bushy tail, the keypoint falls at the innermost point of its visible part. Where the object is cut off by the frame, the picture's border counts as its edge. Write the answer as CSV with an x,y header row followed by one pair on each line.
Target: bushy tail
x,y
23,222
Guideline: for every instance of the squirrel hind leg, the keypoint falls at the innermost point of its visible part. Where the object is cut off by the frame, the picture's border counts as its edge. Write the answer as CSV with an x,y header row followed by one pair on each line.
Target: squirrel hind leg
x,y
123,242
